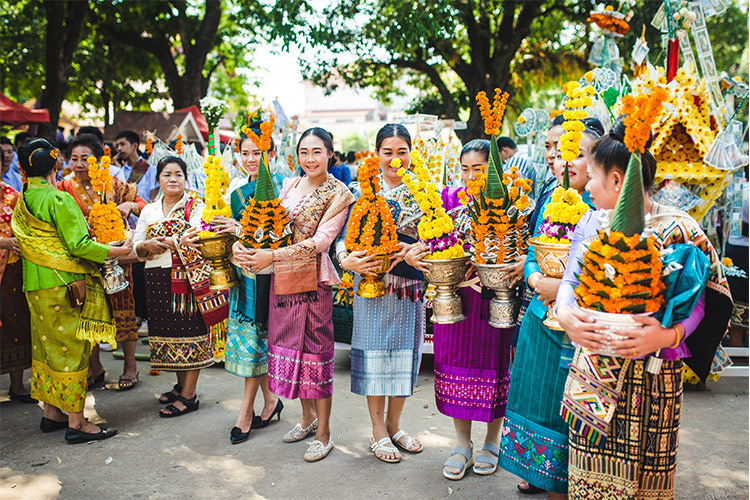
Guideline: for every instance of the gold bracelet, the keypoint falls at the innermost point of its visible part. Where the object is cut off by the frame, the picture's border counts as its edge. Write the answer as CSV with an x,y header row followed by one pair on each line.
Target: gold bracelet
x,y
677,337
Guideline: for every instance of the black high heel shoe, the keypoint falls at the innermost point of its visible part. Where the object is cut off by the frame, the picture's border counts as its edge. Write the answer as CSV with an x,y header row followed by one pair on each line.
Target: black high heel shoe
x,y
259,423
236,436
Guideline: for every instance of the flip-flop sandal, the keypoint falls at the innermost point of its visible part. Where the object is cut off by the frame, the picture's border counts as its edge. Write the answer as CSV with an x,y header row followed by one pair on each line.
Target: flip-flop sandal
x,y
125,383
486,471
461,466
385,444
410,442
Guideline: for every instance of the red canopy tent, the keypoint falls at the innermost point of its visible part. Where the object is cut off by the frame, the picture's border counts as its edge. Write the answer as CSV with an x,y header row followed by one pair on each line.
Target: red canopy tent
x,y
12,113
202,123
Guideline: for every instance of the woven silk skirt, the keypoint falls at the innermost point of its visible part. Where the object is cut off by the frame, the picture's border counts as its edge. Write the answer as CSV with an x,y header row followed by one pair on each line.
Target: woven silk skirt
x,y
472,364
60,360
179,342
300,344
534,438
386,345
123,310
638,460
15,327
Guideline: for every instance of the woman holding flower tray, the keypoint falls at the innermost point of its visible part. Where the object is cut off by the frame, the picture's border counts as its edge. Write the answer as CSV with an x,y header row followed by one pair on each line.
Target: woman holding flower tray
x,y
389,330
534,437
472,358
247,336
628,448
300,322
181,307
124,195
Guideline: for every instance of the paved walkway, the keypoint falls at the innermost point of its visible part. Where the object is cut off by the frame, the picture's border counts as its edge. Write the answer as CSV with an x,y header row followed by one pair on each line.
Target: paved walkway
x,y
190,457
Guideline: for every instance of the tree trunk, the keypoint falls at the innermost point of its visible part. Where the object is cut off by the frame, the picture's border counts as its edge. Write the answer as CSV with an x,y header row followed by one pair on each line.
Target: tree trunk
x,y
64,23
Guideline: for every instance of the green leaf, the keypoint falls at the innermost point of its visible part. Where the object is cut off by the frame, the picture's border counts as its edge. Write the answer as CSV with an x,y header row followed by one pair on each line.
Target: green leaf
x,y
629,216
621,245
635,308
566,177
638,295
494,187
264,190
610,97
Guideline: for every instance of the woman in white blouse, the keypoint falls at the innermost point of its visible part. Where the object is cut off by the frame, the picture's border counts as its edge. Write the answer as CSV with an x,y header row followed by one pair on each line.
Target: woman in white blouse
x,y
178,335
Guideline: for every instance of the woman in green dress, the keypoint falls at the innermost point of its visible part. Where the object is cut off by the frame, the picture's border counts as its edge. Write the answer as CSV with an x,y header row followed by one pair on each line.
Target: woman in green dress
x,y
57,250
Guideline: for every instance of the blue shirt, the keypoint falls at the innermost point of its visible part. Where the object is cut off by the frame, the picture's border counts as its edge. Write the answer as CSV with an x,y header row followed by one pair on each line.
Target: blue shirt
x,y
145,185
342,173
13,176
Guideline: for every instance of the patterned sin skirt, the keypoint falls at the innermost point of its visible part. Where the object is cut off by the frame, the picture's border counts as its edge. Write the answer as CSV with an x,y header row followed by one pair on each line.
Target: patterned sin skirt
x,y
638,459
15,325
247,341
472,364
386,344
300,344
178,342
123,310
60,360
534,438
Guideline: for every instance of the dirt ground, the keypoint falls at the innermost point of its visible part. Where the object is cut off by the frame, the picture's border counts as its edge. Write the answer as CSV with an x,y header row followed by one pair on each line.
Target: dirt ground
x,y
191,457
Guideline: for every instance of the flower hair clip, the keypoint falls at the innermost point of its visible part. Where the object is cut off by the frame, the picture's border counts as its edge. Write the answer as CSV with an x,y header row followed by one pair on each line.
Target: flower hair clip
x,y
54,153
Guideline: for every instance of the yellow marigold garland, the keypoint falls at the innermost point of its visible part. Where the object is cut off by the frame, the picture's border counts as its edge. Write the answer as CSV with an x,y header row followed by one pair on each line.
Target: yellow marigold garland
x,y
562,213
578,99
436,228
216,184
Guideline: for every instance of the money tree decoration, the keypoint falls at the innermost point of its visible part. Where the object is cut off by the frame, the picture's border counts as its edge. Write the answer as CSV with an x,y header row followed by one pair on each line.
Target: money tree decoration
x,y
436,229
104,219
499,207
265,222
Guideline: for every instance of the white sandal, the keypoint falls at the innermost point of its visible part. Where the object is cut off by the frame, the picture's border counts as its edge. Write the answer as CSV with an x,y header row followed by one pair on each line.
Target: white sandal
x,y
318,451
385,444
298,433
410,442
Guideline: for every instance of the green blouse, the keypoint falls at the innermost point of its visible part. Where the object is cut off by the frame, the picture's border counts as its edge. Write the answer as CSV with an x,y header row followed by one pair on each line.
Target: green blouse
x,y
61,210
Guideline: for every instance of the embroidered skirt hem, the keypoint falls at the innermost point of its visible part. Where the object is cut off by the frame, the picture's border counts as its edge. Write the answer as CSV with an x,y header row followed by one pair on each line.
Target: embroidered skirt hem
x,y
60,360
534,453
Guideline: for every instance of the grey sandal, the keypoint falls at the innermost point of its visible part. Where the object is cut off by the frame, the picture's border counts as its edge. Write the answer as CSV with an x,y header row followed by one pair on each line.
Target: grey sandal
x,y
486,471
462,466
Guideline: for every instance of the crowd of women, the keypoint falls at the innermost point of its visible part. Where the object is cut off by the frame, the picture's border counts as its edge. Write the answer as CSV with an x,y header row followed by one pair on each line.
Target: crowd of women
x,y
280,330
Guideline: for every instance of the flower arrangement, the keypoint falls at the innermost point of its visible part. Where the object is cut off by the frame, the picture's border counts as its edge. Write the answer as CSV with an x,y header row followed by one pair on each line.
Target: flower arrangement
x,y
436,228
371,226
104,219
641,112
621,270
498,202
217,181
212,109
265,221
178,144
561,215
149,145
621,274
578,99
